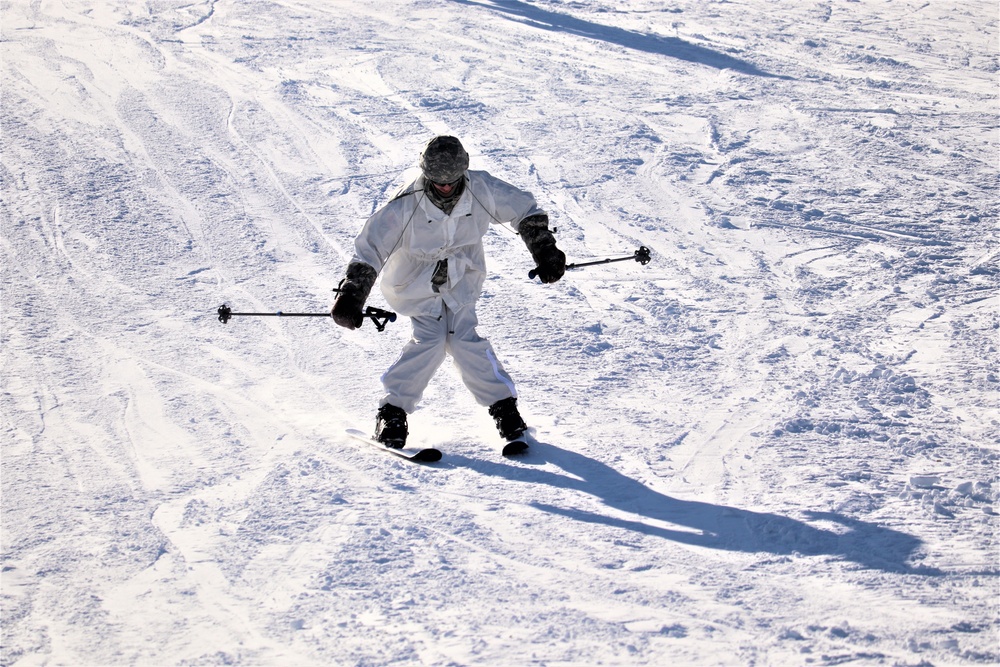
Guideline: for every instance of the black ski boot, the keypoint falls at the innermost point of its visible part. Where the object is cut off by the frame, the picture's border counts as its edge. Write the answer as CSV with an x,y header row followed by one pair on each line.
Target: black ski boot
x,y
390,426
508,419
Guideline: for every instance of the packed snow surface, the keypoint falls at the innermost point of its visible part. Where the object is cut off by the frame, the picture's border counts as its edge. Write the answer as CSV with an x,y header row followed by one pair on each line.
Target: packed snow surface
x,y
776,444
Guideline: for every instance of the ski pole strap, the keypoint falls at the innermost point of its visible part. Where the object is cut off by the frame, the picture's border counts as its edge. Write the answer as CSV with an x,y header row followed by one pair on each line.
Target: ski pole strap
x,y
642,255
378,316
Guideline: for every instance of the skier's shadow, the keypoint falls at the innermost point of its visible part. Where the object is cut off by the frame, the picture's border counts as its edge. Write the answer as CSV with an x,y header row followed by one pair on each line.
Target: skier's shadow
x,y
706,524
673,47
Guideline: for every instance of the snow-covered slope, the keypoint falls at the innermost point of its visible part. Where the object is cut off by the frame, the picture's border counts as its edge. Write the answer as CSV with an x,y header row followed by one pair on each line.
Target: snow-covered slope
x,y
775,444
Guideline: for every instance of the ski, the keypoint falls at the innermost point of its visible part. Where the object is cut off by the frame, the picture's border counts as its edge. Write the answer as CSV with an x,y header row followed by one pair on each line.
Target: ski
x,y
430,454
515,448
426,455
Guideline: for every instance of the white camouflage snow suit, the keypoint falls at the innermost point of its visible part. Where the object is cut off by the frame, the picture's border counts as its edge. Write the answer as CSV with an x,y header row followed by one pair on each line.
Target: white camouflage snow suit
x,y
405,241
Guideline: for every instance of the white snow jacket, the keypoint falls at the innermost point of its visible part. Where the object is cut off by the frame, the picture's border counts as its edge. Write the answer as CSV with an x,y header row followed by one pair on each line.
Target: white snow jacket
x,y
406,238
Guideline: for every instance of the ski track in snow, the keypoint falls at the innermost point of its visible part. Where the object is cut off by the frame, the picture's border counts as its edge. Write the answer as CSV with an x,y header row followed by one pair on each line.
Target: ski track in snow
x,y
775,444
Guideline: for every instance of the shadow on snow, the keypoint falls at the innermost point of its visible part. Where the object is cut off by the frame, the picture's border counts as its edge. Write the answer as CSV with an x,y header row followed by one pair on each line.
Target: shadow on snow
x,y
704,524
672,47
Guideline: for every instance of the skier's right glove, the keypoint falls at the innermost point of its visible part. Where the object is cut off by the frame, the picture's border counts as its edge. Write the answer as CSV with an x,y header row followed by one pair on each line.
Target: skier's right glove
x,y
549,260
353,292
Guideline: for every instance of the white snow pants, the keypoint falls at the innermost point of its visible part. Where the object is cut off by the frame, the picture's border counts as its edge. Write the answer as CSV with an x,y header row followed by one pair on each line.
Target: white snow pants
x,y
454,333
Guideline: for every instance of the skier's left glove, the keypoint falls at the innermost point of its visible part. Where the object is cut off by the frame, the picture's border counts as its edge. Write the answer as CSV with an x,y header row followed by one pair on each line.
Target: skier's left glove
x,y
353,292
550,261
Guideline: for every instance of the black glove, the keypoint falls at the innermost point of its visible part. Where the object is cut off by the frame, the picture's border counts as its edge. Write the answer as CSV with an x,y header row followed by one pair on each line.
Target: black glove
x,y
550,261
353,292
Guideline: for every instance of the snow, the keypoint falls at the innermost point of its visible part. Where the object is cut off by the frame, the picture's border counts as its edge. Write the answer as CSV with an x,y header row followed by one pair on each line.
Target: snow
x,y
775,444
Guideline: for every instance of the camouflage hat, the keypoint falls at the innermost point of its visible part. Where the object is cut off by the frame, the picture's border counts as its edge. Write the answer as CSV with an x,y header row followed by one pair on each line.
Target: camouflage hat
x,y
444,160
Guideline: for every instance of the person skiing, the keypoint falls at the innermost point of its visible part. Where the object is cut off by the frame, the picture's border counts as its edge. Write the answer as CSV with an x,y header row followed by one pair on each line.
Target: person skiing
x,y
427,244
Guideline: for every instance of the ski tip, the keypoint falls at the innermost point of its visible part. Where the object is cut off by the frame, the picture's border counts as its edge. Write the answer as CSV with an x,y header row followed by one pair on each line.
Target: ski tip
x,y
515,448
427,456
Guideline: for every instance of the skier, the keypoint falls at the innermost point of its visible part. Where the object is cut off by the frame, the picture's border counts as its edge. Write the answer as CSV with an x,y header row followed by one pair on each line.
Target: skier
x,y
427,243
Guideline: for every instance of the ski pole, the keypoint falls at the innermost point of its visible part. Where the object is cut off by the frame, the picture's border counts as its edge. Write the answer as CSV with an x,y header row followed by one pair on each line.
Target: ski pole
x,y
641,255
378,316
